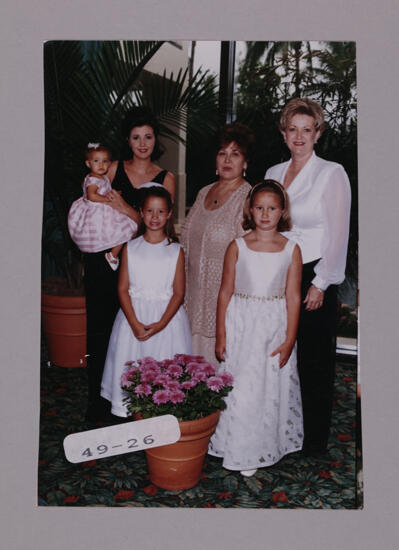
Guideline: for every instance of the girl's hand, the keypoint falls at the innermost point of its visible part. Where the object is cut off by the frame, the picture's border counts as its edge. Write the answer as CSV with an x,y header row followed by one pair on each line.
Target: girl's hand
x,y
285,351
314,298
220,347
140,331
152,329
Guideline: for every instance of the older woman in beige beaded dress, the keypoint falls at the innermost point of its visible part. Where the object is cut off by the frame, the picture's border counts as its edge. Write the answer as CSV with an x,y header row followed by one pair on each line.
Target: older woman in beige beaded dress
x,y
213,222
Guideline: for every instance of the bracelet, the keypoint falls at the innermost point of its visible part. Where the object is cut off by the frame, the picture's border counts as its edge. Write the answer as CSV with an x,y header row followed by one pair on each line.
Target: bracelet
x,y
319,289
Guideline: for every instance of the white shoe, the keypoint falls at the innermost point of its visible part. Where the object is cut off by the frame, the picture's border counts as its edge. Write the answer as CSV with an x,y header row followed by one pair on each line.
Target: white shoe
x,y
248,473
113,262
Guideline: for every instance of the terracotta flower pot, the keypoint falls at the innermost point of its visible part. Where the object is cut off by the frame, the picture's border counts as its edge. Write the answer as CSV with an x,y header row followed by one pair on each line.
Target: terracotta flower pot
x,y
179,465
64,324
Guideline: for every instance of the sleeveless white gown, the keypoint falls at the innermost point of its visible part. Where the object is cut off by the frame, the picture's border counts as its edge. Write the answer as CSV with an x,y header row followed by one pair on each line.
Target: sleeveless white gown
x,y
152,269
263,418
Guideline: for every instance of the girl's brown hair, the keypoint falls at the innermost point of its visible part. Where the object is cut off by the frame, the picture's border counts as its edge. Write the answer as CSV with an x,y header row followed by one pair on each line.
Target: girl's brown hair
x,y
163,193
267,186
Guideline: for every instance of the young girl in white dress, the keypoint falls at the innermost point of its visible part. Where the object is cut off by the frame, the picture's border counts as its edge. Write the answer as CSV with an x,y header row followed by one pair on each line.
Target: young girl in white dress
x,y
151,321
256,325
93,225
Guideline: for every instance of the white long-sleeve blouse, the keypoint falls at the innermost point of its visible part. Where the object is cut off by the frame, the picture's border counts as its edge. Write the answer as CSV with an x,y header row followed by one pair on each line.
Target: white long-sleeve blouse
x,y
320,199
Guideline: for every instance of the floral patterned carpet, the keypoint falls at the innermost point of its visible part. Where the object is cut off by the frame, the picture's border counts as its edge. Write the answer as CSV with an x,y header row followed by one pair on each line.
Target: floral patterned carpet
x,y
332,481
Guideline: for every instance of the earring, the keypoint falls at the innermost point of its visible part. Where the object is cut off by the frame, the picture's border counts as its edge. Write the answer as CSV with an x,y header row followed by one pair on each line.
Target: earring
x,y
217,173
244,172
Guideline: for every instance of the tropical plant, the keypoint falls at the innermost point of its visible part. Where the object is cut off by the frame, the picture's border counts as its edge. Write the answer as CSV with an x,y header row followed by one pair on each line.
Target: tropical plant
x,y
88,88
185,386
335,88
336,85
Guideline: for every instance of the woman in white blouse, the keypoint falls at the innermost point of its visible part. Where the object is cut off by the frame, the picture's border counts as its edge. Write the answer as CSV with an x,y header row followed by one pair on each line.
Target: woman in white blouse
x,y
319,194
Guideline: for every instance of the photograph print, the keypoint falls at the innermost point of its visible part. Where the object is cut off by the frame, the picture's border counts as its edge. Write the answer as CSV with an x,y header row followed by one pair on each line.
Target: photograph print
x,y
199,259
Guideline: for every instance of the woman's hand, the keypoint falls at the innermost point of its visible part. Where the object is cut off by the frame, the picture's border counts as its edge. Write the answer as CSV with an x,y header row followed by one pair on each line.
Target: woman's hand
x,y
285,351
116,201
220,347
314,298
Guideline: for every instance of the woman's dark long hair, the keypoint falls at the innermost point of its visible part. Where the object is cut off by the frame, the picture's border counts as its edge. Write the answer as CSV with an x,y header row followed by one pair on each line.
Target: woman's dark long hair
x,y
136,117
161,192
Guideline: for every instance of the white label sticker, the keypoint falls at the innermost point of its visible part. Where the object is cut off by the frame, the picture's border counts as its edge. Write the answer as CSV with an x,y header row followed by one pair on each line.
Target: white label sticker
x,y
121,438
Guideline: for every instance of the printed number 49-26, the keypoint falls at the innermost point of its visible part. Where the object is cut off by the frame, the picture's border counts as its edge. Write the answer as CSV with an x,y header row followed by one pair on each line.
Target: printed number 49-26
x,y
102,449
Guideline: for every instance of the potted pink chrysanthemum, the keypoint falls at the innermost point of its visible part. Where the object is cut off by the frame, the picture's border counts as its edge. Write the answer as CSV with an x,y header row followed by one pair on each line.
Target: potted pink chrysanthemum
x,y
189,388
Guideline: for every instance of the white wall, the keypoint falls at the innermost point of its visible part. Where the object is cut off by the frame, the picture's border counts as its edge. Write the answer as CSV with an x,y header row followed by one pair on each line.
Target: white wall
x,y
173,59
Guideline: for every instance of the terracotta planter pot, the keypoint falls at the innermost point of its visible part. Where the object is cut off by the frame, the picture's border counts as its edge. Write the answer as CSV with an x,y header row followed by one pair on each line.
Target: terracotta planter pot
x,y
179,465
64,324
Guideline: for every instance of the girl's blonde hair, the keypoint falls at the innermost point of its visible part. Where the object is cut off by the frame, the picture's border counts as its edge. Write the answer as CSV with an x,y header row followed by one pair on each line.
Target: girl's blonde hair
x,y
267,186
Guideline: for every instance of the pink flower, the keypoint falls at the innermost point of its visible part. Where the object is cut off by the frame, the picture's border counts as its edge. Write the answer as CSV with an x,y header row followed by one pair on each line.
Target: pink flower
x,y
161,396
150,367
208,368
176,396
146,360
166,362
149,372
227,378
133,369
215,383
188,384
125,380
174,370
192,367
173,385
162,380
200,376
148,376
142,389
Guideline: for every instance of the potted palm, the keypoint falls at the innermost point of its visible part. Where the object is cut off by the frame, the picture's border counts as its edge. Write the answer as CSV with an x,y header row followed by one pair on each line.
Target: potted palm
x,y
188,388
88,88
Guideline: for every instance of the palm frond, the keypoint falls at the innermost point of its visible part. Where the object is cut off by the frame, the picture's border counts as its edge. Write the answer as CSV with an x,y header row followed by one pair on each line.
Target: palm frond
x,y
103,90
175,100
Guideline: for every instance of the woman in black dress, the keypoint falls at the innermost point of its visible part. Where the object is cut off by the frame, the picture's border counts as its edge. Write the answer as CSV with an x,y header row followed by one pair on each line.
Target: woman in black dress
x,y
140,129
